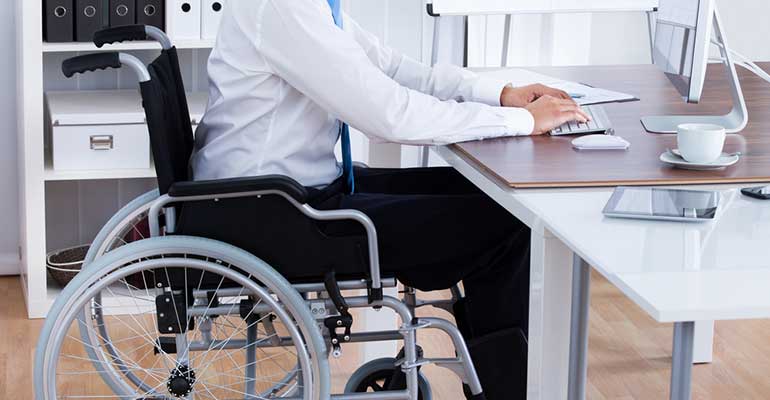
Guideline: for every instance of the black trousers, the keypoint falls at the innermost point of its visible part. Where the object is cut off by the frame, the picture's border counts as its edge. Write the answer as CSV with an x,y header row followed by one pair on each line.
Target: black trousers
x,y
436,229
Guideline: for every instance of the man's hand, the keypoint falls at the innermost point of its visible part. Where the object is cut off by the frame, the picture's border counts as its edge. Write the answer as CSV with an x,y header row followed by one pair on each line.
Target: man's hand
x,y
525,95
551,112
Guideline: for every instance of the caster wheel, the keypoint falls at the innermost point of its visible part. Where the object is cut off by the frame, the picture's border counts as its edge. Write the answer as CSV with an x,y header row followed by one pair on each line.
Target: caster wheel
x,y
377,376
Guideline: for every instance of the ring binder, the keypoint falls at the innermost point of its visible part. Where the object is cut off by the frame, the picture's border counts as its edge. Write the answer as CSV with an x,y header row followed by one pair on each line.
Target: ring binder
x,y
152,13
122,12
212,16
185,19
59,21
89,18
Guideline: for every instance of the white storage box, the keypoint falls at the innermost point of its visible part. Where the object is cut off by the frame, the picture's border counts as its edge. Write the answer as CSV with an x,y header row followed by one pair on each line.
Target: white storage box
x,y
184,19
212,17
97,130
103,130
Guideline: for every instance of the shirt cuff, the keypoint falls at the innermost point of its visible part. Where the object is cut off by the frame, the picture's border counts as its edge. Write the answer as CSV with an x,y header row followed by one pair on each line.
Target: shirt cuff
x,y
518,121
489,91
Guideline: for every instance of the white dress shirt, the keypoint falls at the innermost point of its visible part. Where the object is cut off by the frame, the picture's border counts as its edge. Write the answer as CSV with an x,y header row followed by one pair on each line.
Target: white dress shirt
x,y
282,75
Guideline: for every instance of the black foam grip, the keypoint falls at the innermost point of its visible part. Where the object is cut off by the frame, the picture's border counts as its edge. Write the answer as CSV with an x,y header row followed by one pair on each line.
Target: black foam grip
x,y
90,62
120,34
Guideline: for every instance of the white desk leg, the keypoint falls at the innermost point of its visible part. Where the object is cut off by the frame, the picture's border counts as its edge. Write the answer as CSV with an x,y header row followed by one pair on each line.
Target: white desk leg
x,y
549,319
703,348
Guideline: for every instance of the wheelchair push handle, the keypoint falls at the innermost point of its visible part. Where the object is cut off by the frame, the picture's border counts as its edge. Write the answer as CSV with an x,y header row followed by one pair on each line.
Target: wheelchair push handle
x,y
119,34
90,62
131,33
101,61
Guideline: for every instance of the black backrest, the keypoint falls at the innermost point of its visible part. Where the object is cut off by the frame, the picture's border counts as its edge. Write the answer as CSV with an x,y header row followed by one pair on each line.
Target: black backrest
x,y
168,120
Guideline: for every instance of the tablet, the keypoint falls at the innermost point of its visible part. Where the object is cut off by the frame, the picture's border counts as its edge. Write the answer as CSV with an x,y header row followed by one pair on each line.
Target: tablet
x,y
663,204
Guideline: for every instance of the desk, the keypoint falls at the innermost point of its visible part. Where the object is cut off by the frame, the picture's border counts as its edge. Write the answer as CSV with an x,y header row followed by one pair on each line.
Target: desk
x,y
694,265
551,162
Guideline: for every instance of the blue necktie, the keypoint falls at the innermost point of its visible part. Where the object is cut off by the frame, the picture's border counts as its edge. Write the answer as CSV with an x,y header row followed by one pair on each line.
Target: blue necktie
x,y
347,154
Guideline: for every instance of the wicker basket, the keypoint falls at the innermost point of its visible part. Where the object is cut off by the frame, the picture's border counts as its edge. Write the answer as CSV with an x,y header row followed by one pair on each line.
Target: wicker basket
x,y
64,264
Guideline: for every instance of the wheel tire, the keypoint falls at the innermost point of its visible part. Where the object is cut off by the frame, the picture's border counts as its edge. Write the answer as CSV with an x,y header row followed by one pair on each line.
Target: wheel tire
x,y
379,370
70,303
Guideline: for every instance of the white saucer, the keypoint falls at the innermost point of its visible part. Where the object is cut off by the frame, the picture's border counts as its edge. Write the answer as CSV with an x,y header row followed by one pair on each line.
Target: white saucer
x,y
726,160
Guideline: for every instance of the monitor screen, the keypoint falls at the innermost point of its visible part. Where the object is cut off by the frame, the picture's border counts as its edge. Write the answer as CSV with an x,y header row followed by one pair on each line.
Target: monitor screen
x,y
675,43
683,37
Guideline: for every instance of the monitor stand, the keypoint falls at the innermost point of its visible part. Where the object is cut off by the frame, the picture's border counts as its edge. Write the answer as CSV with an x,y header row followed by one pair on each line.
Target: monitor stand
x,y
733,122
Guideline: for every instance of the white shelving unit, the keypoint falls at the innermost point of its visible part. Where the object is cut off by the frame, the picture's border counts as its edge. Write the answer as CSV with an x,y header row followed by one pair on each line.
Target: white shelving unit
x,y
52,175
90,47
61,209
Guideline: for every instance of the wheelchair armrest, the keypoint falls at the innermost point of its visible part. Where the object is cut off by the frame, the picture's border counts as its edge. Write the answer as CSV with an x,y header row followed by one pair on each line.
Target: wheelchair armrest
x,y
241,185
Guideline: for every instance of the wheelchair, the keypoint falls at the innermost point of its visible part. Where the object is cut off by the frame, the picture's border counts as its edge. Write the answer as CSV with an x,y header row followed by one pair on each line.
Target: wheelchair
x,y
230,289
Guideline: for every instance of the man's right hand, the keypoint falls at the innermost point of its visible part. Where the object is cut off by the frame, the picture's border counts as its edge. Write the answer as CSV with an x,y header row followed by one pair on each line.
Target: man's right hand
x,y
551,112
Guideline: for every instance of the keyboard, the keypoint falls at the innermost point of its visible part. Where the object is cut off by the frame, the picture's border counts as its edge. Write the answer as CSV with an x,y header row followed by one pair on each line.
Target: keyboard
x,y
599,123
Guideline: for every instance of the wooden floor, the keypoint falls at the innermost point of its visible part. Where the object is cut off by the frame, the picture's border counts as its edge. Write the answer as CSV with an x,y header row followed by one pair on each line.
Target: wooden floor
x,y
629,353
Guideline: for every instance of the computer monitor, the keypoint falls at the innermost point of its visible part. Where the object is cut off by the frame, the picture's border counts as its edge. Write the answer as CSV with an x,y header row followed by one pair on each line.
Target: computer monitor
x,y
684,32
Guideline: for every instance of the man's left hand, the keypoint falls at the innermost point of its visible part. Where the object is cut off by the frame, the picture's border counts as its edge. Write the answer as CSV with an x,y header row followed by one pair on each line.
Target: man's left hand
x,y
525,95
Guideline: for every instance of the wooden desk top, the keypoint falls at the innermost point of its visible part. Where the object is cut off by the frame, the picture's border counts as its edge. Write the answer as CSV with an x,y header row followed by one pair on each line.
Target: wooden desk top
x,y
545,162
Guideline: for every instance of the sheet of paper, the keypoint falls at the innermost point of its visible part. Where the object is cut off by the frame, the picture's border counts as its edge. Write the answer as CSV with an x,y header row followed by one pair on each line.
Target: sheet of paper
x,y
591,95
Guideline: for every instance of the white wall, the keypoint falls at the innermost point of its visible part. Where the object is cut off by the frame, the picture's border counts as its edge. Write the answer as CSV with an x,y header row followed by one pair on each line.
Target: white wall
x,y
8,183
613,38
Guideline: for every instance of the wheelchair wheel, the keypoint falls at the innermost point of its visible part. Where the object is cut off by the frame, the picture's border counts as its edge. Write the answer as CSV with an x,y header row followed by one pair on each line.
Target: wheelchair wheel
x,y
126,226
248,335
377,375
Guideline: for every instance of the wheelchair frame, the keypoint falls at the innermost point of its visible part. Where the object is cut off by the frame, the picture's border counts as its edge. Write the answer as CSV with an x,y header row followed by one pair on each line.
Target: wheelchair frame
x,y
162,208
461,365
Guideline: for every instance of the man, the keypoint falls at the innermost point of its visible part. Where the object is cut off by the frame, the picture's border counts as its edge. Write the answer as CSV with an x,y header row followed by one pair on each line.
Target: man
x,y
285,73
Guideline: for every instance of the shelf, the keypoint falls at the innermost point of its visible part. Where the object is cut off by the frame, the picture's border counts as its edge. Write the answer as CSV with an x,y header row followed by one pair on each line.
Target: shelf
x,y
52,175
142,45
138,303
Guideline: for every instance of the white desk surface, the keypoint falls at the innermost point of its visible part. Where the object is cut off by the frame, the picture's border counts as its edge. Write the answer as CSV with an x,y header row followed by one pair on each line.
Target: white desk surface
x,y
676,272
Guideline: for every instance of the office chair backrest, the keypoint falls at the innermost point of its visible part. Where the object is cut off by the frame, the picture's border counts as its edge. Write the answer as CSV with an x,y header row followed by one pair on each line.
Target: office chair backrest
x,y
168,120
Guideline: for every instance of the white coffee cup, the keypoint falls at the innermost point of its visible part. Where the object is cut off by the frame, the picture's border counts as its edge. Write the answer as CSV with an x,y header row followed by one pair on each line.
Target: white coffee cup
x,y
701,143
